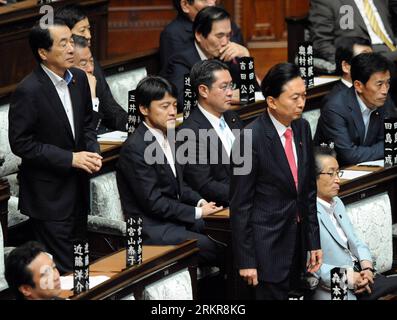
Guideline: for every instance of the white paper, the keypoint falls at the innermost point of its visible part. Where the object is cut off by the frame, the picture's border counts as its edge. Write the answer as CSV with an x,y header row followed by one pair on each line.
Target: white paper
x,y
353,174
376,163
67,281
116,136
259,96
323,80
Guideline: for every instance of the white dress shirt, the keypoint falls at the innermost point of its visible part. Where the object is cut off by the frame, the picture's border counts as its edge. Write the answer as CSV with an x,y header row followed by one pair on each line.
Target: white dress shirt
x,y
61,86
226,135
374,37
365,112
281,130
200,52
346,83
166,148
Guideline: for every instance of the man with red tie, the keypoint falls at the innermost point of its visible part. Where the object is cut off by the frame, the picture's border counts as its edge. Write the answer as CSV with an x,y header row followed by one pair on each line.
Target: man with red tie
x,y
273,207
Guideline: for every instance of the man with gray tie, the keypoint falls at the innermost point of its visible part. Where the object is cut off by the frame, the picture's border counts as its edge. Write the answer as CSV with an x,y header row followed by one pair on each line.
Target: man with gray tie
x,y
212,123
353,118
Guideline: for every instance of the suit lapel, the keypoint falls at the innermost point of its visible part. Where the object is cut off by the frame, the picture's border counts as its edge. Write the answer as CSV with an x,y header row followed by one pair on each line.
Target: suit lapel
x,y
56,103
373,128
75,99
356,113
384,15
328,224
276,148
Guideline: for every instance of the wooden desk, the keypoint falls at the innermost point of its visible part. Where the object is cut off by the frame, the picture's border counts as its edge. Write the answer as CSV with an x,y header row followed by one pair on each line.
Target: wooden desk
x,y
380,180
158,262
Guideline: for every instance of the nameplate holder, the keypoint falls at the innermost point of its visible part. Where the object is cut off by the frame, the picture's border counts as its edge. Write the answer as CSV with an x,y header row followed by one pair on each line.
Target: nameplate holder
x,y
134,242
189,97
134,116
247,79
81,263
339,284
305,62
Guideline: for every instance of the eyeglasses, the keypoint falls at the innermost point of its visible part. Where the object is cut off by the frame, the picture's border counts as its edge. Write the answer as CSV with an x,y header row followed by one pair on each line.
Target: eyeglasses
x,y
333,174
226,86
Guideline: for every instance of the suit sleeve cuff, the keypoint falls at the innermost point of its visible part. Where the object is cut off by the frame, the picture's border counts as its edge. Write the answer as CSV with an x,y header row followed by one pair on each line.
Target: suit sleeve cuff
x,y
198,213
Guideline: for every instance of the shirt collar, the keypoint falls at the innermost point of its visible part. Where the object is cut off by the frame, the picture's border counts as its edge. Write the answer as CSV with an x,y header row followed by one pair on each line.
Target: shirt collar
x,y
364,109
57,80
279,126
200,52
346,83
328,206
214,120
158,134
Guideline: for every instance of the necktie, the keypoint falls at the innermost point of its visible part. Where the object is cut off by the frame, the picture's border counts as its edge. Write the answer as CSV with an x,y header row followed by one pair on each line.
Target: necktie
x,y
375,25
229,140
289,152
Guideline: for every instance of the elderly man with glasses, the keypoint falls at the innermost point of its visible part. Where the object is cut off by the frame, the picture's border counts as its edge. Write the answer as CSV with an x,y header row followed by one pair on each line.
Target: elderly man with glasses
x,y
340,244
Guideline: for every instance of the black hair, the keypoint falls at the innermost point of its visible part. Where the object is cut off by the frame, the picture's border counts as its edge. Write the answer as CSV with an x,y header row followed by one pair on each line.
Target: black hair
x,y
319,152
70,14
206,17
16,266
274,81
203,73
153,88
177,5
40,37
80,41
344,50
364,65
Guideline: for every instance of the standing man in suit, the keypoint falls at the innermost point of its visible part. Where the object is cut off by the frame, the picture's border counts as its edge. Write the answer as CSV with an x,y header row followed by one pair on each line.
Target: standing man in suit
x,y
341,245
209,171
51,129
106,113
179,32
273,207
212,31
353,119
369,19
150,181
112,115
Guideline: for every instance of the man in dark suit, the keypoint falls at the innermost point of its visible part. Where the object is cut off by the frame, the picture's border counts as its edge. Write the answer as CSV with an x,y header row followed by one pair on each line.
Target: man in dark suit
x,y
51,129
212,31
111,115
150,180
208,172
107,113
330,20
179,32
273,205
353,119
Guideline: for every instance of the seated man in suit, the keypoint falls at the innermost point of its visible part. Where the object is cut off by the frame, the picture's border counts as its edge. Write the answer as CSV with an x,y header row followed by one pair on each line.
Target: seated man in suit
x,y
330,20
340,244
114,116
31,273
212,31
178,33
212,84
353,118
150,181
107,112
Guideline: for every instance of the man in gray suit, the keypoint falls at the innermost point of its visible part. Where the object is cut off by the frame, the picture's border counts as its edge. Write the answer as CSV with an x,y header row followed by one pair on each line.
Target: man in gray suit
x,y
369,19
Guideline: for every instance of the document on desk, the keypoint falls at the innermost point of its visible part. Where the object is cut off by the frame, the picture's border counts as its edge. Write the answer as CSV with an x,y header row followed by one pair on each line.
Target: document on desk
x,y
354,174
113,136
67,281
377,163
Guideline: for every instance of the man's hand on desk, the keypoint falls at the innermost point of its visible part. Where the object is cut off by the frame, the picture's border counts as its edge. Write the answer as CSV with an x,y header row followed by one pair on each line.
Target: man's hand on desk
x,y
210,208
87,161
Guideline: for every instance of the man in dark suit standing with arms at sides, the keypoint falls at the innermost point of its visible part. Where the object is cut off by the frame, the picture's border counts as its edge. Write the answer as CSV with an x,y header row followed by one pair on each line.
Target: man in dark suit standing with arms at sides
x,y
150,180
212,83
273,205
179,32
353,119
51,129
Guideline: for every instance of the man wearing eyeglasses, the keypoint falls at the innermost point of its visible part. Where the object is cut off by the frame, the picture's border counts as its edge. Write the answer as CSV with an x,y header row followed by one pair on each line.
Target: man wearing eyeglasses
x,y
208,171
212,30
340,244
353,119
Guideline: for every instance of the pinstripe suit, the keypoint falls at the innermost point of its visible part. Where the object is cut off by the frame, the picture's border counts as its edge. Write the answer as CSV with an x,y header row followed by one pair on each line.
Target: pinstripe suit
x,y
265,202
